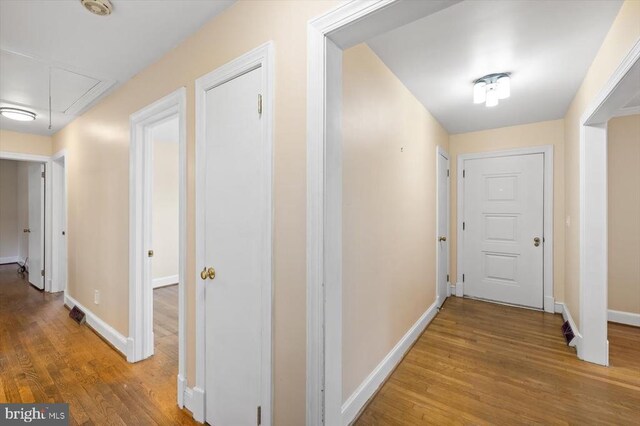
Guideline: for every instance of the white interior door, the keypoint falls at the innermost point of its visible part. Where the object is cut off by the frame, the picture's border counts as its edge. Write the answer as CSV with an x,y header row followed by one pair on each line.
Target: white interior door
x,y
503,229
237,236
443,227
36,224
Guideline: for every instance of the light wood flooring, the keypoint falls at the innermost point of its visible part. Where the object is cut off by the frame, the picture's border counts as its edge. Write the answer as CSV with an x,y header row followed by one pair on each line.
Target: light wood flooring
x,y
482,363
46,357
477,363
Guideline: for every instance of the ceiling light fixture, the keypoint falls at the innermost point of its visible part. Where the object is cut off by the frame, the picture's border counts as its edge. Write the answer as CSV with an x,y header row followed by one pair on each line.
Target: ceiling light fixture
x,y
17,114
490,88
98,7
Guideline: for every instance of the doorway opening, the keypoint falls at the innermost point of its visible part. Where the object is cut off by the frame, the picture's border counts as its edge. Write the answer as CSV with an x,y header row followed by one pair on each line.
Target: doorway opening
x,y
59,254
23,218
157,248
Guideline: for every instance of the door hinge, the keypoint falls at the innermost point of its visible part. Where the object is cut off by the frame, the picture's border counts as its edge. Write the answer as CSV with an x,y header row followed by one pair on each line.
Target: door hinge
x,y
259,104
42,174
42,272
464,173
447,277
259,415
447,172
462,277
464,226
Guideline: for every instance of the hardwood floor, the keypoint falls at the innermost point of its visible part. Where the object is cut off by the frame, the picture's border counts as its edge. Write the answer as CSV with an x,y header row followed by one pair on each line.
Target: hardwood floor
x,y
46,357
482,363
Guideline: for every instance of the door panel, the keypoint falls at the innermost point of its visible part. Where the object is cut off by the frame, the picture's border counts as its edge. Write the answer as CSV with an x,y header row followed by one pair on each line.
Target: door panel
x,y
36,224
443,227
503,214
235,241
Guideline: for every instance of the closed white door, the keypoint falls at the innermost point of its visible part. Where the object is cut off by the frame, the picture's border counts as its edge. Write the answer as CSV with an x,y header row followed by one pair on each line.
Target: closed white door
x,y
36,224
503,229
443,227
236,238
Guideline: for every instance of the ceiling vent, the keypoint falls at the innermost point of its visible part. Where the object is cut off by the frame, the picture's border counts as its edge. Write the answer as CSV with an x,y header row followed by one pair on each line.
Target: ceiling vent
x,y
98,7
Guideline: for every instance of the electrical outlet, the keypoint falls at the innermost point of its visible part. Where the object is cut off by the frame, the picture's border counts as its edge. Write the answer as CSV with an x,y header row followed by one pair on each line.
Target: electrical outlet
x,y
96,297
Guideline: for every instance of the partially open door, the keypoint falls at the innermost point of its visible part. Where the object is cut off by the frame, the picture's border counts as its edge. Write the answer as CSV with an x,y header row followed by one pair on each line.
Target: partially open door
x,y
36,225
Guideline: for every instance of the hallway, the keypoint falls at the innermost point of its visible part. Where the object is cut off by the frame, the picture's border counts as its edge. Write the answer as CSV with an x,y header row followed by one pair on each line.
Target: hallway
x,y
483,363
46,357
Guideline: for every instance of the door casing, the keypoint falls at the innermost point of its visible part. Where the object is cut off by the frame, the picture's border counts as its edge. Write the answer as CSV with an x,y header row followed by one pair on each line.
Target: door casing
x,y
263,57
440,152
547,151
140,340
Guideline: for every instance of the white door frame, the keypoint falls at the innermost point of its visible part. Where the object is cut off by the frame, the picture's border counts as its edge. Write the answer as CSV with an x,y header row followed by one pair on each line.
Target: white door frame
x,y
46,160
547,151
260,57
59,217
441,152
140,341
622,84
328,35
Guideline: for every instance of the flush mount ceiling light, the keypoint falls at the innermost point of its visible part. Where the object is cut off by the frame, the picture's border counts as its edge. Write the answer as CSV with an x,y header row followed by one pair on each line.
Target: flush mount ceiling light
x,y
98,7
17,114
490,88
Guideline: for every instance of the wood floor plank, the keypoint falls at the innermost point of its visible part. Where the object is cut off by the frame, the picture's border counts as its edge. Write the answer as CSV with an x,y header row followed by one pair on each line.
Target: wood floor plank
x,y
46,357
482,363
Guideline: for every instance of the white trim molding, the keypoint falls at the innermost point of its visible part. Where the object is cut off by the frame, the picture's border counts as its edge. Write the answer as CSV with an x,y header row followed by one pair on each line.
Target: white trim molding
x,y
165,281
547,151
9,259
346,25
140,341
260,57
367,389
616,93
110,334
440,298
627,318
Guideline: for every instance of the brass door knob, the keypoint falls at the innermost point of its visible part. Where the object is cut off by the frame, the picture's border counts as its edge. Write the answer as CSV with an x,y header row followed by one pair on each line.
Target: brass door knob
x,y
208,273
150,253
442,239
536,241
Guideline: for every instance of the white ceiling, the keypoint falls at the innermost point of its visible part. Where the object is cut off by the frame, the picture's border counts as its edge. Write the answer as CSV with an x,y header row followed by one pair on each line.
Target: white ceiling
x,y
89,55
547,46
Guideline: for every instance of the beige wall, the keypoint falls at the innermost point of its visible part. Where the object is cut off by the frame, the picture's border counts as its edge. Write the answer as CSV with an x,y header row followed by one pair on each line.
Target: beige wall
x,y
9,236
527,135
389,196
624,213
624,33
25,143
97,146
165,209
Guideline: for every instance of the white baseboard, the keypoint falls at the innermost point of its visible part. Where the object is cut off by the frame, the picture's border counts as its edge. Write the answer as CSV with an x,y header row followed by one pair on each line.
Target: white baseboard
x,y
621,317
459,287
182,388
102,328
370,385
194,402
561,307
9,259
165,281
549,304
